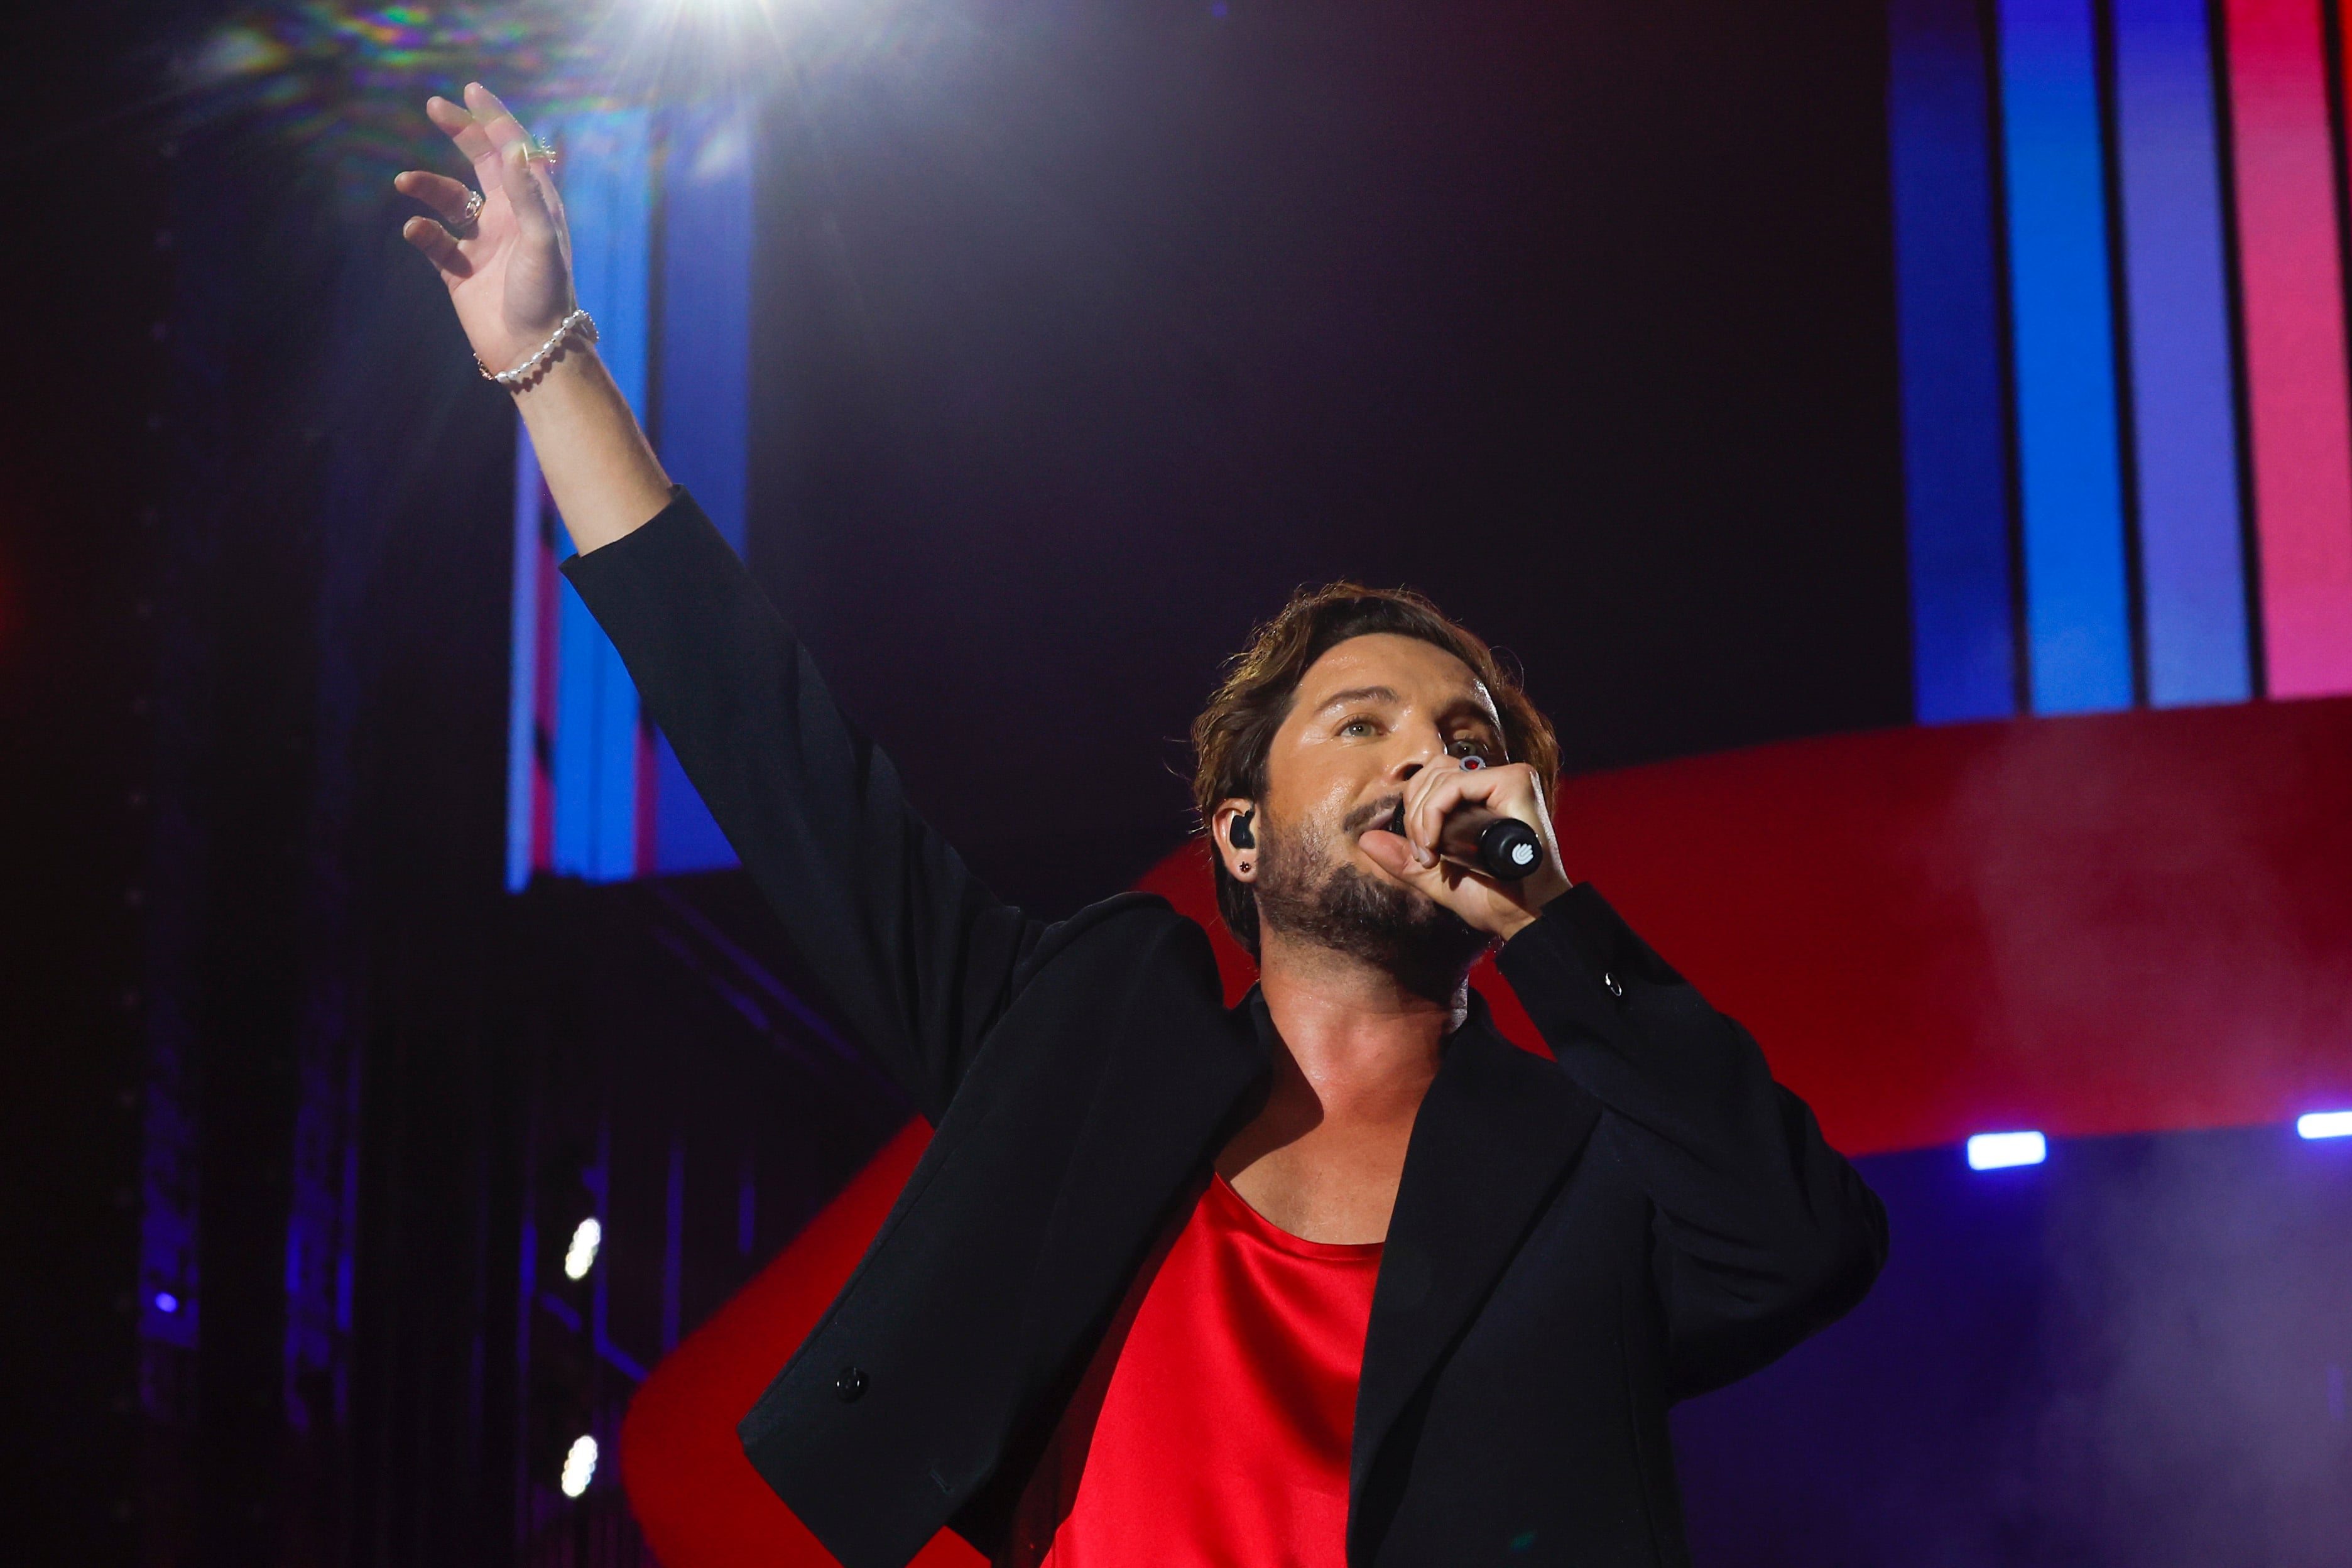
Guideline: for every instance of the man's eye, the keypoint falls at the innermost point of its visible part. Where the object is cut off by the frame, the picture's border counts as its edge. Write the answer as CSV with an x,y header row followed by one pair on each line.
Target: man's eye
x,y
1470,746
1357,727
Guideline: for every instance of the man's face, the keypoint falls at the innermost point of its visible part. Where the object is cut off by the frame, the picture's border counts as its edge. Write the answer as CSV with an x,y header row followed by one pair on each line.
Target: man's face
x,y
1369,714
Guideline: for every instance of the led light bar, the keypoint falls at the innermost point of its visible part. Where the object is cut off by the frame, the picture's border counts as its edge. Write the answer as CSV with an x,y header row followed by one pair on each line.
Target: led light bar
x,y
2000,1150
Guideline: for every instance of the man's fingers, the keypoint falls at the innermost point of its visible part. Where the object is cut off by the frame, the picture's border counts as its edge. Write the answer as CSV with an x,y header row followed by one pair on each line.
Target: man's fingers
x,y
1509,788
437,246
444,195
461,127
510,162
526,193
1436,793
1424,815
1393,855
1439,879
498,121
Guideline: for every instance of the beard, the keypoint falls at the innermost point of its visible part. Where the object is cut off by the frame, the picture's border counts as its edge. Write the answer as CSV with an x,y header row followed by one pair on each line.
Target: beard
x,y
1307,891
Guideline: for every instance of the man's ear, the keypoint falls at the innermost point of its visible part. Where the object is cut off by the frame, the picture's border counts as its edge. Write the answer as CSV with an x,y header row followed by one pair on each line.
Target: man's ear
x,y
1234,829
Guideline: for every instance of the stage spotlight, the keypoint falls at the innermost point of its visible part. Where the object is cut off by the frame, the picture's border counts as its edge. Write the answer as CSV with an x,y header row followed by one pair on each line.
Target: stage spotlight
x,y
167,1302
1999,1151
581,1256
580,1465
2325,1124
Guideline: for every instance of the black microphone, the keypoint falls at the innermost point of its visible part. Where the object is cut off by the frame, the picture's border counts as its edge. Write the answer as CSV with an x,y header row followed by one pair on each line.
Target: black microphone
x,y
1502,847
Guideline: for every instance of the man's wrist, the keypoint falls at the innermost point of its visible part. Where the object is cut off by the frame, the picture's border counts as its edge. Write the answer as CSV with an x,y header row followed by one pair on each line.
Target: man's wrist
x,y
1523,916
575,333
603,475
1517,923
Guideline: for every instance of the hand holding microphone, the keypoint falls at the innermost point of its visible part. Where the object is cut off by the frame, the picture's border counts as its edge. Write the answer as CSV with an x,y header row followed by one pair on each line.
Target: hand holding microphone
x,y
1475,839
1503,847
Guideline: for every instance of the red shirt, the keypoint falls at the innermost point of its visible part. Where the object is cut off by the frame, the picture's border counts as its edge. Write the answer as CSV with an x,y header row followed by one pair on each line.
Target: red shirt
x,y
1212,1427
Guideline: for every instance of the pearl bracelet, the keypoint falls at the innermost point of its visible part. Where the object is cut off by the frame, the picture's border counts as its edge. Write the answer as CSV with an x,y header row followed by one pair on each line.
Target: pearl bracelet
x,y
523,374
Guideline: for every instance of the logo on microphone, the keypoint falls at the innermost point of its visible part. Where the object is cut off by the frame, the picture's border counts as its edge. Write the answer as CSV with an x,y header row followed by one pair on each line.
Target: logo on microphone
x,y
1523,853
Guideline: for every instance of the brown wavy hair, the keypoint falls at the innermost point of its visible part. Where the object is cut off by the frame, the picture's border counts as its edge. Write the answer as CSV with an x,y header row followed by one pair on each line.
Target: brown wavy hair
x,y
1235,734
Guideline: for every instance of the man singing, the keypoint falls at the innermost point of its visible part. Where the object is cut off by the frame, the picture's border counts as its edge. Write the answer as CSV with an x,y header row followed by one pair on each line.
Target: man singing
x,y
1334,1277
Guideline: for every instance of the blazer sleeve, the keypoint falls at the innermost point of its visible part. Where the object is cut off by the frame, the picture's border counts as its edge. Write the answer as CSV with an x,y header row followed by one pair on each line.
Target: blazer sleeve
x,y
1765,1232
917,954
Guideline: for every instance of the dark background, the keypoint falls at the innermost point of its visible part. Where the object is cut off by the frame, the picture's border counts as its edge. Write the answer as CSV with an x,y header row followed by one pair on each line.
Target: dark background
x,y
1083,334
1088,334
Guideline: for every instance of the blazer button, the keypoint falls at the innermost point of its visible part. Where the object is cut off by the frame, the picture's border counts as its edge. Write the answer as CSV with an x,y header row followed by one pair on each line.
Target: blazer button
x,y
1614,986
849,1386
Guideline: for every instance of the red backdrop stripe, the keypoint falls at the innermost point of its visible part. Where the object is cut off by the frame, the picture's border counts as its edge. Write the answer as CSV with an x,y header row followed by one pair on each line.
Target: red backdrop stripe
x,y
2112,923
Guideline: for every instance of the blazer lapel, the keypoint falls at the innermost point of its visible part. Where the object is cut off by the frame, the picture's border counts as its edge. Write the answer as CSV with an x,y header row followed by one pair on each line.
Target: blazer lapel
x,y
1167,1093
1496,1134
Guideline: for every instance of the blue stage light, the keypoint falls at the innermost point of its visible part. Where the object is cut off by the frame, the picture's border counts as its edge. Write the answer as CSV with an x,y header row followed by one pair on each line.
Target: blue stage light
x,y
167,1302
2325,1124
1999,1151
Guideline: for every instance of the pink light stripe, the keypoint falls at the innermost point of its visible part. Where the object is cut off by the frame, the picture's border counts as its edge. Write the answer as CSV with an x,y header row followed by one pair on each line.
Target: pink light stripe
x,y
644,832
2294,308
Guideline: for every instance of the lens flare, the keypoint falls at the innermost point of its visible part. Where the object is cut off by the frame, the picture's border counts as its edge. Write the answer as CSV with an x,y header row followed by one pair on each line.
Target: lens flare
x,y
347,83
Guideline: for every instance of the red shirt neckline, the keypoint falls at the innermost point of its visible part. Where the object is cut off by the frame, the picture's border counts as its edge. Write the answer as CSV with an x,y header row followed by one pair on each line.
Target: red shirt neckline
x,y
1214,1424
1237,1210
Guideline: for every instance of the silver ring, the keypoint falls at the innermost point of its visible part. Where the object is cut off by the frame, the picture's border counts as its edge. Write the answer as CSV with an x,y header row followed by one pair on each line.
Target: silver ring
x,y
463,221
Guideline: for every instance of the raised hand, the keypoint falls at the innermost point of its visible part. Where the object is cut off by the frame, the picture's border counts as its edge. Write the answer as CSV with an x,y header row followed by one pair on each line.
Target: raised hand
x,y
508,269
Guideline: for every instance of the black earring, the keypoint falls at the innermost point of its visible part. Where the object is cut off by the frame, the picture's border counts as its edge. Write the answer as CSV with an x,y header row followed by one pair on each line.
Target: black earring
x,y
1238,833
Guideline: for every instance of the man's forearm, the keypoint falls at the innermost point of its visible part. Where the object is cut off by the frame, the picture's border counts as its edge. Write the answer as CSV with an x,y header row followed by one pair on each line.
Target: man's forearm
x,y
1770,1233
603,476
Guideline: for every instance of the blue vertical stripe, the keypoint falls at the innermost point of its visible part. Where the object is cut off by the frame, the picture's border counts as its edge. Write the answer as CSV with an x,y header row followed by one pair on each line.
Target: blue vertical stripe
x,y
706,311
2185,439
2069,474
608,199
1954,452
706,400
596,752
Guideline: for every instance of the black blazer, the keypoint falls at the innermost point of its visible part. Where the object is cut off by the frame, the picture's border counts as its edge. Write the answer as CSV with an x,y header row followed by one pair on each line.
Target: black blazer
x,y
1574,1246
